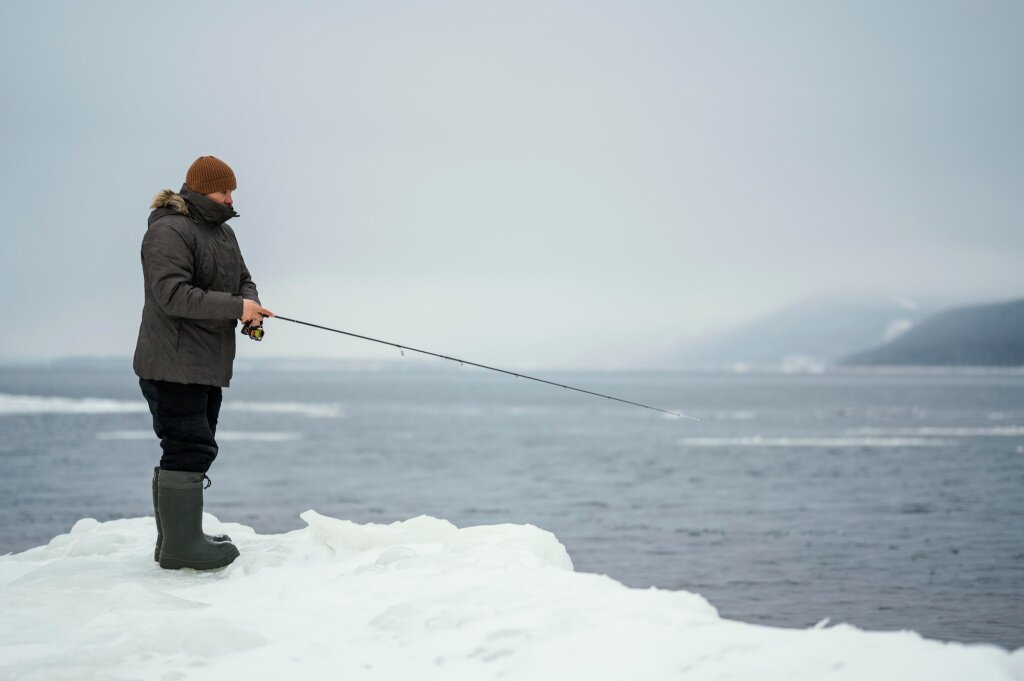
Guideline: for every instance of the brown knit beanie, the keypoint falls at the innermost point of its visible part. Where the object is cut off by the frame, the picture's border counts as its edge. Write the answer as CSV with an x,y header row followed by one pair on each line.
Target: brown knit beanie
x,y
209,174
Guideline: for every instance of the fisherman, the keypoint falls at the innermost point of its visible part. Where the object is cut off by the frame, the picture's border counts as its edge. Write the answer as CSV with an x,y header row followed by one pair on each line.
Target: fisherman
x,y
196,287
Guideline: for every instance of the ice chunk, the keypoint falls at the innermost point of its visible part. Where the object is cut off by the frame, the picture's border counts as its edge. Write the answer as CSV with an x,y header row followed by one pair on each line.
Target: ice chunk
x,y
418,599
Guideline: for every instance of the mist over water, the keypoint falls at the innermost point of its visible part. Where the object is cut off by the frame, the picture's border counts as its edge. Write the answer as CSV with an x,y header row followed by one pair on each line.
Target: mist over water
x,y
889,501
534,183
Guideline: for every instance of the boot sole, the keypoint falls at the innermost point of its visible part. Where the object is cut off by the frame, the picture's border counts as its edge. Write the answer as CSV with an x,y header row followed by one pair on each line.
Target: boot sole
x,y
218,538
169,563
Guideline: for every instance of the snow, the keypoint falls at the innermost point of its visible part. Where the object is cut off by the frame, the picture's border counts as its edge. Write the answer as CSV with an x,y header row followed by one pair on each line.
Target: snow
x,y
792,442
419,599
802,364
31,404
897,327
993,431
233,435
34,404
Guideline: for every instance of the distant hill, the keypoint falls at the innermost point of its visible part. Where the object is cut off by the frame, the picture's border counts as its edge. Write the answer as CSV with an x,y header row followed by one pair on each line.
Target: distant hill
x,y
980,335
820,330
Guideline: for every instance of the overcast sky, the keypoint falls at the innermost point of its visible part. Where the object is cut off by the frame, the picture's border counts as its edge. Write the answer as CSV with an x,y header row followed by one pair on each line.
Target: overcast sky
x,y
524,183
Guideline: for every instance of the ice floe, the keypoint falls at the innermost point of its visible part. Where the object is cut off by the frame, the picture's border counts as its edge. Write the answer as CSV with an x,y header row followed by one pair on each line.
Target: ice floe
x,y
793,442
37,404
419,599
222,435
945,431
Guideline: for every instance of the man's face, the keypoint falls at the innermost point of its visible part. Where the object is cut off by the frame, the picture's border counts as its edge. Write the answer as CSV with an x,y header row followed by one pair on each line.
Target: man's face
x,y
223,198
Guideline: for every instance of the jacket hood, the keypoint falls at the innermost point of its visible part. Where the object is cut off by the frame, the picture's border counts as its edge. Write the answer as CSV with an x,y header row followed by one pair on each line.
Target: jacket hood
x,y
169,199
187,202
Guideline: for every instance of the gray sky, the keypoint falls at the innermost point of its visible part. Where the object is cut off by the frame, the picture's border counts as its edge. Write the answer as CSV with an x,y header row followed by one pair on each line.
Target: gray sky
x,y
523,183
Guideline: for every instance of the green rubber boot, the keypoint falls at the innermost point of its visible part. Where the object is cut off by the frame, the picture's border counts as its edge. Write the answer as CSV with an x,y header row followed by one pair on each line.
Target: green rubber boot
x,y
156,514
180,502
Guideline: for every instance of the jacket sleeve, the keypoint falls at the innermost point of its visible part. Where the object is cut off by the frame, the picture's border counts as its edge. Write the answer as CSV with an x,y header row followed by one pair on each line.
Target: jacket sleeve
x,y
168,266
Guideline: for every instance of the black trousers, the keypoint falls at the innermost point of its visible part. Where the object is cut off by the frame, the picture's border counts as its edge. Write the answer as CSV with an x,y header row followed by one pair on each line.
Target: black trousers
x,y
185,420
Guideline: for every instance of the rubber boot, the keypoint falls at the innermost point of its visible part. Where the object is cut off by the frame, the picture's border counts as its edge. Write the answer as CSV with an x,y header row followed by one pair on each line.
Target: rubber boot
x,y
156,514
180,501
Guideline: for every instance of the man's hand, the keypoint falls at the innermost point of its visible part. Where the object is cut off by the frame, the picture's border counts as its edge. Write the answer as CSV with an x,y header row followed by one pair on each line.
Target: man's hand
x,y
253,312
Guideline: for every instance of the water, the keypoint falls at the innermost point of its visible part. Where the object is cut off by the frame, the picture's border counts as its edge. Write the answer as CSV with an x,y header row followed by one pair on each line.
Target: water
x,y
886,501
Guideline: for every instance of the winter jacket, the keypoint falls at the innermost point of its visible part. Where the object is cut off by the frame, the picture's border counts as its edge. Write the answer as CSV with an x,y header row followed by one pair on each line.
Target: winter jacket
x,y
195,280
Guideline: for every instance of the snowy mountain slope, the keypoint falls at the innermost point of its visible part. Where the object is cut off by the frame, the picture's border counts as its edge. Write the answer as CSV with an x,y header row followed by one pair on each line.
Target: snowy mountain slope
x,y
420,599
978,335
819,329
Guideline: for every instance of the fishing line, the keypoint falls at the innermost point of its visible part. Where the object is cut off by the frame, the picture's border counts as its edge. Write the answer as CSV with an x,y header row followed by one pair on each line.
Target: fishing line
x,y
403,348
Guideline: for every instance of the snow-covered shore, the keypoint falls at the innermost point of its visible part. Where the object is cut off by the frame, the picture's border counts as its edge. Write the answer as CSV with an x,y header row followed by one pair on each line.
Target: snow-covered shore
x,y
419,599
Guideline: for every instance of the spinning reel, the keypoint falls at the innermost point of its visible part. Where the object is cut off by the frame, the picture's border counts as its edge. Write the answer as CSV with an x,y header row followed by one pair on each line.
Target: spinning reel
x,y
254,332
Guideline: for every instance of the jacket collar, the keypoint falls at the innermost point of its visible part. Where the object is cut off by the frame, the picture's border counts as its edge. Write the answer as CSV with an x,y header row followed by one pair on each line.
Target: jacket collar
x,y
202,209
196,206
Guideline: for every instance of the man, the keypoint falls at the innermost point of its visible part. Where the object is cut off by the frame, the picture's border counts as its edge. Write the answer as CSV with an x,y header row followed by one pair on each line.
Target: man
x,y
197,285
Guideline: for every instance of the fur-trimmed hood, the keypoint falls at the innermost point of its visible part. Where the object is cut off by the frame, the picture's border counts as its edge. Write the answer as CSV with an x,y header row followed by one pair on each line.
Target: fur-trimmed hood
x,y
190,204
167,198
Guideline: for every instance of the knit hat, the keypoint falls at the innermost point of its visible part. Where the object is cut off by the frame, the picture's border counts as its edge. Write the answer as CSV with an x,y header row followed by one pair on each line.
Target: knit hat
x,y
209,174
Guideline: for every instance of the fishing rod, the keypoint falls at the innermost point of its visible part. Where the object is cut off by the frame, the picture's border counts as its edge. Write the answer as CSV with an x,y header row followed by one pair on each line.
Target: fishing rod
x,y
256,333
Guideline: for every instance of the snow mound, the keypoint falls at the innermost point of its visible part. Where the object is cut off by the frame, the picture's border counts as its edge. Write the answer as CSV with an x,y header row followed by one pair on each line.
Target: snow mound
x,y
419,599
